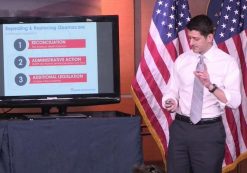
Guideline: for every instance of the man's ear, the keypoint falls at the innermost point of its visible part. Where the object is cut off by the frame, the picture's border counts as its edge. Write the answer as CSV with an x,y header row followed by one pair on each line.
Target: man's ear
x,y
210,37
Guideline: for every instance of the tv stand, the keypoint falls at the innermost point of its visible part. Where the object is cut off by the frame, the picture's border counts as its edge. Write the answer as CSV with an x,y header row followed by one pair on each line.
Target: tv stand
x,y
62,110
45,111
79,115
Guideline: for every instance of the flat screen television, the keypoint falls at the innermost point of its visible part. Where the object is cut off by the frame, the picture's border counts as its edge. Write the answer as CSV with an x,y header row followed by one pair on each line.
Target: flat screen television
x,y
59,61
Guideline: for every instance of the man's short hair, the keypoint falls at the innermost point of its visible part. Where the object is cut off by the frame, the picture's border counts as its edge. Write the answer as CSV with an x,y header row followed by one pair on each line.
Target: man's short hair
x,y
201,23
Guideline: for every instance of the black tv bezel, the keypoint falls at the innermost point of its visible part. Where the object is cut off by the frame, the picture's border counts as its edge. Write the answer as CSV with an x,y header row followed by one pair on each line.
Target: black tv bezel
x,y
75,99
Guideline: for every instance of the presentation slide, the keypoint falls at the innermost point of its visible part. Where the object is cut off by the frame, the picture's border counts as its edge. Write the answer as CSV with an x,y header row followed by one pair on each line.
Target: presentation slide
x,y
50,58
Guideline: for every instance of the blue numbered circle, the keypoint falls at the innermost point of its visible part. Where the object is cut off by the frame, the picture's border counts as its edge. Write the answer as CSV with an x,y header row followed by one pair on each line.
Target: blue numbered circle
x,y
20,79
20,62
20,44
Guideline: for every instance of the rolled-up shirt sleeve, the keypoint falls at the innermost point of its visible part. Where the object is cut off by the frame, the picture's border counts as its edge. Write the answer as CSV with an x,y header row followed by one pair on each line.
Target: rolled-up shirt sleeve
x,y
171,90
232,86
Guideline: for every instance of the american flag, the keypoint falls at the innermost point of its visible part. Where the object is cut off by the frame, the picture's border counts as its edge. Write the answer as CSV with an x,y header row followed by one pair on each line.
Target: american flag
x,y
166,40
230,36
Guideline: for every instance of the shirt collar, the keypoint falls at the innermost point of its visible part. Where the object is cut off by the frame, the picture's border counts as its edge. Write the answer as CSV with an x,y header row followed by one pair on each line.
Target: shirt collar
x,y
209,54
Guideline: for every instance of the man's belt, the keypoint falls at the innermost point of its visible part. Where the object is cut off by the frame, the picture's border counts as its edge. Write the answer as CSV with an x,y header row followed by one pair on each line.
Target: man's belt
x,y
201,122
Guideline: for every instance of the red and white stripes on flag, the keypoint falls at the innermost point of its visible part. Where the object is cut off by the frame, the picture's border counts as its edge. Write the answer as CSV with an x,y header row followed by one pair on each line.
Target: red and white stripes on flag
x,y
230,36
166,40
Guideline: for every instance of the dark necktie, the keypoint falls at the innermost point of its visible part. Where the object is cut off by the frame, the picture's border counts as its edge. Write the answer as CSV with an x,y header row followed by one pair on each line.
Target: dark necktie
x,y
197,96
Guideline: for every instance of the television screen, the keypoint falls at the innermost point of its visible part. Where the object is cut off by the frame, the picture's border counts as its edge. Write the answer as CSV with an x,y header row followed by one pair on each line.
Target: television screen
x,y
59,61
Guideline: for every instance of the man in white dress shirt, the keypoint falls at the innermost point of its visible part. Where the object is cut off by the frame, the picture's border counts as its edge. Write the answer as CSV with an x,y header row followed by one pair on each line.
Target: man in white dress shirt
x,y
199,147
